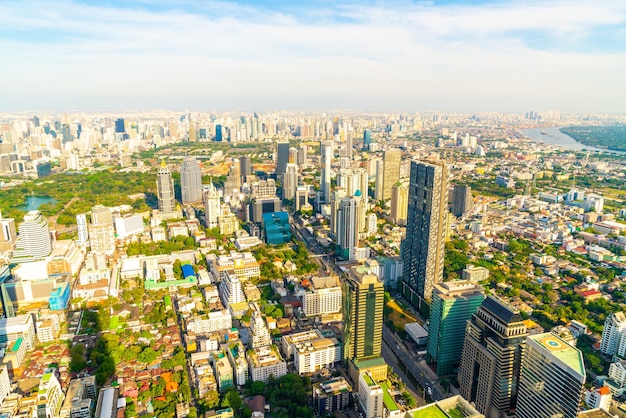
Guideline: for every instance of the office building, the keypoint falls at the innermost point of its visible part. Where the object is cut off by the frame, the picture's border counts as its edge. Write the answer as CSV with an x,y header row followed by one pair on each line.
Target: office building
x,y
277,228
165,189
391,171
347,226
260,336
18,327
453,304
80,398
190,181
230,290
8,233
282,158
264,362
462,200
246,166
423,249
613,334
552,378
363,311
5,383
367,138
260,206
120,126
290,181
302,156
34,236
326,155
492,354
379,172
399,203
102,238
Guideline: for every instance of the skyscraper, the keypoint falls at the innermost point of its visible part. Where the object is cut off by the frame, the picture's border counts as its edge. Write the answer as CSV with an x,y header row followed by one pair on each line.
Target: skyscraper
x,y
349,145
165,189
363,310
391,171
462,202
326,155
119,126
212,206
399,203
282,158
423,248
552,378
246,167
491,359
34,236
190,181
453,305
348,226
367,138
290,181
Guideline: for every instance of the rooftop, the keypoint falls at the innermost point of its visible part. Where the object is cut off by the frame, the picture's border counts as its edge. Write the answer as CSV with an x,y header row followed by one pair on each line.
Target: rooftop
x,y
569,355
390,404
429,411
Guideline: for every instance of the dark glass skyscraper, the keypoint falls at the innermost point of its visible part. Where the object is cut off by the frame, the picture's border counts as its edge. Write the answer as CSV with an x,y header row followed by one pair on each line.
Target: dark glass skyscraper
x,y
119,126
282,158
423,248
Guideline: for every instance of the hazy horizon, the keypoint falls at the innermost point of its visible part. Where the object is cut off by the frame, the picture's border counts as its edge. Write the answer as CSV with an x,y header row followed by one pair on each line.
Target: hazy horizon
x,y
464,56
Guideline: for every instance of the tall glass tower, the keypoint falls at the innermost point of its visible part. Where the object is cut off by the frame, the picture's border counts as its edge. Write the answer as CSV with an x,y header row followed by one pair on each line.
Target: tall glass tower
x,y
423,248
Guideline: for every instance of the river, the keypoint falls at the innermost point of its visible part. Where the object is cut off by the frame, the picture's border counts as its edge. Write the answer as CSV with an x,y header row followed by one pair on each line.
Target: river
x,y
553,136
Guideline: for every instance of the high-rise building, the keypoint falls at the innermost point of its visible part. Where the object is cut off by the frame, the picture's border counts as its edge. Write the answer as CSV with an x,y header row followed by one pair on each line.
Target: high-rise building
x,y
348,226
326,155
391,171
423,249
165,189
246,166
212,206
613,333
34,236
233,180
190,181
101,215
492,354
361,182
290,181
302,155
8,233
453,304
119,126
552,378
349,145
399,203
462,202
379,176
363,313
282,158
367,138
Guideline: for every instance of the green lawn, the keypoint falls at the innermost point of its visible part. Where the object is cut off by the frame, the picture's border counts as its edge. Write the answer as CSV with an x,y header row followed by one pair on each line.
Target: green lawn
x,y
430,411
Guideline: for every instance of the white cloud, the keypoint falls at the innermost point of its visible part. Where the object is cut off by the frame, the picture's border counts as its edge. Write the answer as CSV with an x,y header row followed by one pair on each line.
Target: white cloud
x,y
396,56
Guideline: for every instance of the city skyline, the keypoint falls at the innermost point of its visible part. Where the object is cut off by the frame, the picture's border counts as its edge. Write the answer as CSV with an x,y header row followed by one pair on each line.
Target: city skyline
x,y
259,55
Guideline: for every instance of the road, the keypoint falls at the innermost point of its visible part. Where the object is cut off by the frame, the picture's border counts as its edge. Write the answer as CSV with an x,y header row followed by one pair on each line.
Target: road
x,y
415,365
392,360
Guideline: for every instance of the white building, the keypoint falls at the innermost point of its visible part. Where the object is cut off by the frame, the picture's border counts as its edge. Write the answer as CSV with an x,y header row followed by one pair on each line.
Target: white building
x,y
21,326
50,396
265,362
617,378
370,396
260,336
230,290
211,322
83,231
33,236
599,398
5,383
128,225
212,206
324,296
614,327
311,351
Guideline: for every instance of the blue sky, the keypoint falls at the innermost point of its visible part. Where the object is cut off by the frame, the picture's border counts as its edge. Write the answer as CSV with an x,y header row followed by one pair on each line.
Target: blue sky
x,y
464,55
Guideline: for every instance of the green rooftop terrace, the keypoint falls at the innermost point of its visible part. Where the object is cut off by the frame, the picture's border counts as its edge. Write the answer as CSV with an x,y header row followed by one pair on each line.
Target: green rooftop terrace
x,y
430,411
390,404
